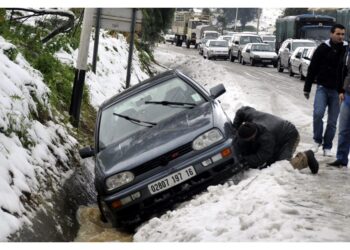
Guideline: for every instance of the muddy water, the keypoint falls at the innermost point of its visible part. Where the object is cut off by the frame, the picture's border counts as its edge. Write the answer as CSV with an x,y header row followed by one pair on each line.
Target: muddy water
x,y
92,229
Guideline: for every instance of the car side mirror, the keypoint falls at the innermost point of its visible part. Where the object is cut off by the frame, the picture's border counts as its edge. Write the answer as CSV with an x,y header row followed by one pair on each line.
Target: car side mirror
x,y
217,91
86,152
298,55
236,42
247,50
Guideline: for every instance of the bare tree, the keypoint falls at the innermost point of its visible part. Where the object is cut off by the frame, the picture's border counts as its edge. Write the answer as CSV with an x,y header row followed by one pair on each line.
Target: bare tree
x,y
65,27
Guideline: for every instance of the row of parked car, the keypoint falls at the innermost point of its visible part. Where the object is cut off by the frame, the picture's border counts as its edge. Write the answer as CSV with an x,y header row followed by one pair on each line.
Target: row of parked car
x,y
246,48
294,55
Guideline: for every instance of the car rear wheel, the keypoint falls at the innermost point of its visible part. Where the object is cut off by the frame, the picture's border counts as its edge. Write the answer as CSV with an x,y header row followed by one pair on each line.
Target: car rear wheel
x,y
243,62
239,58
302,77
279,66
291,73
232,59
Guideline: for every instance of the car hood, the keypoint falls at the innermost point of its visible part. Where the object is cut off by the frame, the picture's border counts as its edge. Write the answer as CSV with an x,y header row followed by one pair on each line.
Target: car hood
x,y
265,54
149,143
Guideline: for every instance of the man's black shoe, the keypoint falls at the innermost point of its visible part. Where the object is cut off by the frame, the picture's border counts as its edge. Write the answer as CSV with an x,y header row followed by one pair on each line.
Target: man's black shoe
x,y
336,163
312,162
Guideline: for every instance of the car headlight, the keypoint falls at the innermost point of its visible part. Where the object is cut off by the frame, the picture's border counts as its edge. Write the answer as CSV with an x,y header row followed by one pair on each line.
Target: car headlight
x,y
119,180
207,139
256,56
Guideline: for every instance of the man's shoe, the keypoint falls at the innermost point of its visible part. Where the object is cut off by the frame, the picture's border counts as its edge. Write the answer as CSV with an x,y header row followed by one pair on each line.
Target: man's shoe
x,y
312,162
337,164
315,147
327,152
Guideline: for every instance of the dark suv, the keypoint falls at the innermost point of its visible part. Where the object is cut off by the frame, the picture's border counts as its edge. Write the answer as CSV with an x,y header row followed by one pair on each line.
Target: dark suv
x,y
157,143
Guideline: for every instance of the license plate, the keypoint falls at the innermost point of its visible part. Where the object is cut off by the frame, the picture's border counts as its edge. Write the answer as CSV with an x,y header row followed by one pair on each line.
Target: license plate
x,y
172,180
266,60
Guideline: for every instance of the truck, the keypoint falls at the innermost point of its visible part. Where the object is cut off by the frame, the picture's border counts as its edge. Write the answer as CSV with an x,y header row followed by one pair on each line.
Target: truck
x,y
185,25
305,26
203,34
343,17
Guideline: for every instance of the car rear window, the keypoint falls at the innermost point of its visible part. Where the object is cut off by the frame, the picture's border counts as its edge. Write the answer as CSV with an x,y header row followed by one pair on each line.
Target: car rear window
x,y
114,128
218,44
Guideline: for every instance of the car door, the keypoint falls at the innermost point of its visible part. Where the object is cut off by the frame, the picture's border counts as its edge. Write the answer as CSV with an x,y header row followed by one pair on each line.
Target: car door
x,y
246,52
285,54
235,47
295,60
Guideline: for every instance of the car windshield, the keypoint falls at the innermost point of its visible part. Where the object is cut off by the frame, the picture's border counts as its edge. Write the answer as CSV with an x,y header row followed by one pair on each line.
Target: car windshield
x,y
268,38
302,44
211,35
137,112
218,44
318,34
249,39
262,47
227,38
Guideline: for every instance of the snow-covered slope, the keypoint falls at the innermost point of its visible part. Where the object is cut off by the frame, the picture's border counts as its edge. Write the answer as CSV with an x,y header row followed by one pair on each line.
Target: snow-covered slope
x,y
33,154
110,77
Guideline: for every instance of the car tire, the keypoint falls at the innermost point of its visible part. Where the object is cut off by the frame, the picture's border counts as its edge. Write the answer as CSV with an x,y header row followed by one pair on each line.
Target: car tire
x,y
274,65
302,77
252,62
291,73
243,62
232,59
239,58
279,66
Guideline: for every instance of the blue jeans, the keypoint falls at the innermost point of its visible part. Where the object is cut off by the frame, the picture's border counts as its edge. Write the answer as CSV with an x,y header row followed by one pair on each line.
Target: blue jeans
x,y
325,97
344,134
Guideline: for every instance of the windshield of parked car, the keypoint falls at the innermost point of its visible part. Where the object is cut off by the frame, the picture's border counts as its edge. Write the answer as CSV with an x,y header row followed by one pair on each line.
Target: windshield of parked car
x,y
268,38
303,44
249,39
213,35
218,44
126,117
262,47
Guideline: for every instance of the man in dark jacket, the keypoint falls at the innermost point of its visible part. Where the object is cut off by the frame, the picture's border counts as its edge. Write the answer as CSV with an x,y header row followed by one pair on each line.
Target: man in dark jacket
x,y
324,65
263,139
344,116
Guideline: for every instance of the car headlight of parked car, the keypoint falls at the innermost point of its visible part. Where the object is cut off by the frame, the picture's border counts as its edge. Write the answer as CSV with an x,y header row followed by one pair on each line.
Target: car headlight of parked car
x,y
256,57
207,139
119,180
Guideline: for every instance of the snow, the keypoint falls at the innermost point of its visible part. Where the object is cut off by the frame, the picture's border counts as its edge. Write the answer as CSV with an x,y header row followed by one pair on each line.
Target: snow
x,y
28,170
110,77
274,204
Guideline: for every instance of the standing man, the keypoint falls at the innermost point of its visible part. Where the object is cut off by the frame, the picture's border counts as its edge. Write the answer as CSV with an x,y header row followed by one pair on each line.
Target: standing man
x,y
344,117
324,67
263,139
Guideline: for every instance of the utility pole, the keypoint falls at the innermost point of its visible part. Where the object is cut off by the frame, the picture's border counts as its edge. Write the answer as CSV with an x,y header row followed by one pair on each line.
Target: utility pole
x,y
236,19
258,23
131,48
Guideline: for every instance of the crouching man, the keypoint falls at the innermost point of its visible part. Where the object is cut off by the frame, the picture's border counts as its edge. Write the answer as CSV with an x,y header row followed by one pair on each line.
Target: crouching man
x,y
263,139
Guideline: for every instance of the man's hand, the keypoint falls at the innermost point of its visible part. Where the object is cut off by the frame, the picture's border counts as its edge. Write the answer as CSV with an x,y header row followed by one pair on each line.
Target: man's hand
x,y
307,95
341,97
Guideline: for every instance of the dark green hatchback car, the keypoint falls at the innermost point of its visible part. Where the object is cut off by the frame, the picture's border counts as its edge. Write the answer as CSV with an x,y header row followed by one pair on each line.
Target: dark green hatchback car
x,y
158,143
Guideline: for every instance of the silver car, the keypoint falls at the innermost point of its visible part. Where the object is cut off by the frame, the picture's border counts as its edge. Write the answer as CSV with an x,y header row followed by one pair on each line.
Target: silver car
x,y
261,53
214,49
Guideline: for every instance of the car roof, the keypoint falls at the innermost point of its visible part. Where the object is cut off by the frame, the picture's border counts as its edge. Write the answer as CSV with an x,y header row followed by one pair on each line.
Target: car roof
x,y
300,40
166,74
